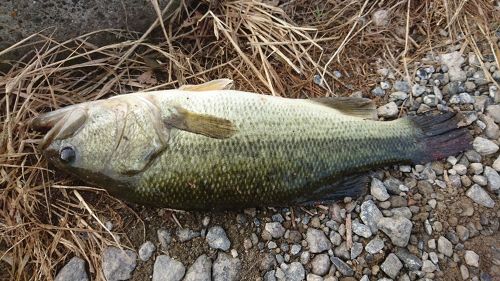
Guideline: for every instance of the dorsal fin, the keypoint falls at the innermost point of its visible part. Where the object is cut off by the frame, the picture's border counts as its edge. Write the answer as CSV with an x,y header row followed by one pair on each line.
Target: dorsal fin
x,y
359,107
203,124
219,84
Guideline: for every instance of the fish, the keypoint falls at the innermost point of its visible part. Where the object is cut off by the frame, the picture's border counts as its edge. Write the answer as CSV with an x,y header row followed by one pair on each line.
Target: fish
x,y
208,147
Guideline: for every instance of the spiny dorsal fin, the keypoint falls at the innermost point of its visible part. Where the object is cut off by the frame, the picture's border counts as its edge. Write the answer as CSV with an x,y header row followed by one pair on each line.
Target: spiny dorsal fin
x,y
203,124
219,84
359,107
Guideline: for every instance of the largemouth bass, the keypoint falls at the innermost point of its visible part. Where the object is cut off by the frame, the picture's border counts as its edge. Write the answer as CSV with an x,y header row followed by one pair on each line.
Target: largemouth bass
x,y
205,147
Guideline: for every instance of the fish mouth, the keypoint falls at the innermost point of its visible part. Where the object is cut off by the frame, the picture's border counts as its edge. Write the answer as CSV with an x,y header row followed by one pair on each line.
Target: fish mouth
x,y
59,124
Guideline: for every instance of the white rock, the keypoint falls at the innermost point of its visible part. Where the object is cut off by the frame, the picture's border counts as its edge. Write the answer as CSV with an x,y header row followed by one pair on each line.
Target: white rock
x,y
471,258
388,110
167,269
445,247
484,146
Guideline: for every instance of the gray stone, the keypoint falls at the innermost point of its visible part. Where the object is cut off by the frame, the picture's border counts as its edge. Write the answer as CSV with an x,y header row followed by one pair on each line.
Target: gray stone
x,y
63,20
164,237
342,251
118,264
464,271
493,178
453,62
146,250
275,229
392,265
462,98
200,270
269,276
378,92
402,212
402,86
361,229
378,190
397,228
335,238
389,110
342,267
444,246
484,146
462,232
370,215
393,185
295,272
428,266
494,112
167,269
492,130
396,96
417,90
356,250
471,258
320,264
73,270
186,234
411,261
226,268
375,245
217,238
480,196
317,241
267,262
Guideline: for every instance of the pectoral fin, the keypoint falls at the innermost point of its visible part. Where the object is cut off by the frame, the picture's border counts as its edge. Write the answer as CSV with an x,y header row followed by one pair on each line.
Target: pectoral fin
x,y
219,84
203,124
359,107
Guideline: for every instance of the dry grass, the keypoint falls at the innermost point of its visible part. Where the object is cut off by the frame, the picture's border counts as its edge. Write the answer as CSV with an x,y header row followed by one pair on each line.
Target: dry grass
x,y
45,219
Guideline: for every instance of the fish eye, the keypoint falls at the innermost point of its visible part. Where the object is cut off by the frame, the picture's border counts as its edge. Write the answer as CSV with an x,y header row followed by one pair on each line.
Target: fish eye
x,y
67,154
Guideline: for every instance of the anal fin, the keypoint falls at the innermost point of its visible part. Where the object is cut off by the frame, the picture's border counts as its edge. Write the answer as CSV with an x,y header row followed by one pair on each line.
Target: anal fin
x,y
349,186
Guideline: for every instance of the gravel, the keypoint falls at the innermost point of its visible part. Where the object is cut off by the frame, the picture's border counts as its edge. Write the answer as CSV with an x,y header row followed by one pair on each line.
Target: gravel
x,y
480,196
164,237
375,245
484,146
410,261
317,241
118,264
471,258
295,272
320,264
378,190
392,265
444,246
275,229
493,178
73,270
398,229
167,269
342,267
389,110
361,229
146,250
200,270
370,215
217,238
226,268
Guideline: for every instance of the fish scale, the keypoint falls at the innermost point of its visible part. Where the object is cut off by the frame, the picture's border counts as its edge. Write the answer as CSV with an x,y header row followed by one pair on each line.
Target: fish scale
x,y
272,162
223,149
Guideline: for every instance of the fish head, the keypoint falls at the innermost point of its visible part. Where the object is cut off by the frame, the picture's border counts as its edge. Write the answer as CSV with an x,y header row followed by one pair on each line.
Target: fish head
x,y
97,141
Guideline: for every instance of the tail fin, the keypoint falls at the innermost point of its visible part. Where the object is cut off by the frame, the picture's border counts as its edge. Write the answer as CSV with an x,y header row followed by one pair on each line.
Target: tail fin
x,y
440,137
